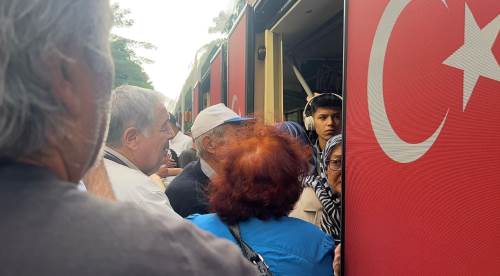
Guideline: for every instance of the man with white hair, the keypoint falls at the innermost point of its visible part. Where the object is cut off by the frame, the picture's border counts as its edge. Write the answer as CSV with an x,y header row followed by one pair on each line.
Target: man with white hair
x,y
188,191
136,145
55,88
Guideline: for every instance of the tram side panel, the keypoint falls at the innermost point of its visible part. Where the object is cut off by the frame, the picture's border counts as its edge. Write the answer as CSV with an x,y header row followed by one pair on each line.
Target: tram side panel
x,y
422,96
216,79
236,66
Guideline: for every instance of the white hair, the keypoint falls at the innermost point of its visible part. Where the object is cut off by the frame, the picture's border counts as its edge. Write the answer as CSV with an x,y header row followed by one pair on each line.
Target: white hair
x,y
132,106
216,133
34,33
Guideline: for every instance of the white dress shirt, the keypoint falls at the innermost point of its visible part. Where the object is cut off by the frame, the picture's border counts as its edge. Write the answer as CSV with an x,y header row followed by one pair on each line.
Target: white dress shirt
x,y
132,185
180,143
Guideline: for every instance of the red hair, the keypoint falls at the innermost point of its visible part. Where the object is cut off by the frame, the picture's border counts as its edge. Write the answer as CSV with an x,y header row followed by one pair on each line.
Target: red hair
x,y
259,176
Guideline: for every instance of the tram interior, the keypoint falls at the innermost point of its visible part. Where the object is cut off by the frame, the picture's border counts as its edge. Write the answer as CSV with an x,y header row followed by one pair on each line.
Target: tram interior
x,y
313,41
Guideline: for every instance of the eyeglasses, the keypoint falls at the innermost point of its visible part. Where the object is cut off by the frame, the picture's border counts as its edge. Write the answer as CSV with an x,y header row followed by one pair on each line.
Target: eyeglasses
x,y
334,164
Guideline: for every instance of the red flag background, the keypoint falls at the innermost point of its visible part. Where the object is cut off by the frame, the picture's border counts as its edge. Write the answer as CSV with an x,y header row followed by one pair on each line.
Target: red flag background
x,y
438,214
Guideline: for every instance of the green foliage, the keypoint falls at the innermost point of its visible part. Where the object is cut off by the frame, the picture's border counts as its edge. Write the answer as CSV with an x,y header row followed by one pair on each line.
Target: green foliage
x,y
224,22
128,69
220,23
120,17
128,65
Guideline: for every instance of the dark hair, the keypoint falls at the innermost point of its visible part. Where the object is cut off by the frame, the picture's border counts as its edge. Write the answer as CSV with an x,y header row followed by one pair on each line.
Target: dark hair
x,y
259,176
327,100
173,120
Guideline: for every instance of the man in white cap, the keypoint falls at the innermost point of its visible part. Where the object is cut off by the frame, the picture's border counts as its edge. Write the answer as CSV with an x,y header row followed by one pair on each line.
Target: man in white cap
x,y
187,192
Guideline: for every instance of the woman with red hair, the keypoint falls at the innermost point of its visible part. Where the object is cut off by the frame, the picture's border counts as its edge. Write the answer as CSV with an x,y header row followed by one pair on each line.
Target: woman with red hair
x,y
254,191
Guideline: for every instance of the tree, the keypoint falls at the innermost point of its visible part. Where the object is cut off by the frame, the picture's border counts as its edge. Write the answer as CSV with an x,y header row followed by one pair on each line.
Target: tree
x,y
128,65
224,22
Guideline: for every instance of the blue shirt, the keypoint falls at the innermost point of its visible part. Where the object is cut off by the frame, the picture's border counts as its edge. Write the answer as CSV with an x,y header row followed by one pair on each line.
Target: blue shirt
x,y
288,245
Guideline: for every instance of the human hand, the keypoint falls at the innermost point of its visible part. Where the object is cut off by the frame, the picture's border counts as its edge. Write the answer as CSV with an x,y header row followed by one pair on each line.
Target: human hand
x,y
165,171
336,261
170,163
162,171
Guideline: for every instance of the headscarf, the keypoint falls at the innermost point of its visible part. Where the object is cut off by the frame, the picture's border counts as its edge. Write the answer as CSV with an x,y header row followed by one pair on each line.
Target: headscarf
x,y
295,130
330,145
330,219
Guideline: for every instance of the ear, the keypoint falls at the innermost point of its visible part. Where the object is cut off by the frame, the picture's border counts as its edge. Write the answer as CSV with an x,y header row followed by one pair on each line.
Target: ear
x,y
131,137
62,84
209,145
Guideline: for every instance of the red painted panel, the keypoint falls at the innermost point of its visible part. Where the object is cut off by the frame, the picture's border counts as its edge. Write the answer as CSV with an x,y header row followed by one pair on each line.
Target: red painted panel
x,y
216,79
196,99
236,78
420,199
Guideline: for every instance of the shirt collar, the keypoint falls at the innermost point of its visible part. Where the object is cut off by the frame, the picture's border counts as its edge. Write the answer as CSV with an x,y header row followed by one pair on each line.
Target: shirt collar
x,y
121,157
206,169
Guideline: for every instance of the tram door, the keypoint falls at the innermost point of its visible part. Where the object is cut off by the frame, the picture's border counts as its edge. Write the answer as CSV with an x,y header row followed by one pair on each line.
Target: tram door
x,y
422,132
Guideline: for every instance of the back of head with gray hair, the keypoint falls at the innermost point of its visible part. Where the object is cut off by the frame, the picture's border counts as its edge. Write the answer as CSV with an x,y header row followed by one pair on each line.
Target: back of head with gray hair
x,y
33,34
131,106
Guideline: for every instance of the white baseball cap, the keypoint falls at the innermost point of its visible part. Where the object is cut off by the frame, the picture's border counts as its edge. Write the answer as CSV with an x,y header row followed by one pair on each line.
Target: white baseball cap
x,y
212,117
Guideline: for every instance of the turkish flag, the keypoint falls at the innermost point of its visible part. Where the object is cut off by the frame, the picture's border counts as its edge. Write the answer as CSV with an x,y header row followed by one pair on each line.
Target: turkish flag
x,y
422,130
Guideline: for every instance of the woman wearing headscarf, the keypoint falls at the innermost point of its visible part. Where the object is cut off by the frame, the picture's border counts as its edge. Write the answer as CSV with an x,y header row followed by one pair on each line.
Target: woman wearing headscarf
x,y
332,162
319,203
296,131
308,207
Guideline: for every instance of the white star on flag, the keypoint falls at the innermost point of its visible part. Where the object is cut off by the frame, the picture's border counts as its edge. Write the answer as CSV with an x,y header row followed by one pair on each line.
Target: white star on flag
x,y
476,56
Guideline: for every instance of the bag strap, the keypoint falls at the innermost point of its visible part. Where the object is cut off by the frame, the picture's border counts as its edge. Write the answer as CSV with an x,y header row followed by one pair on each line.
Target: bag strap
x,y
248,252
111,157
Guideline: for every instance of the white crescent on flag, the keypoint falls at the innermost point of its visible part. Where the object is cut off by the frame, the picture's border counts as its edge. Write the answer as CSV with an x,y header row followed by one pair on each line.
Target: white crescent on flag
x,y
392,145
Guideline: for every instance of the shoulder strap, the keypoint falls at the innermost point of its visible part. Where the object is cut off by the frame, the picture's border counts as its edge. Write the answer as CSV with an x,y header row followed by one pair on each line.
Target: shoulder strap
x,y
248,252
109,156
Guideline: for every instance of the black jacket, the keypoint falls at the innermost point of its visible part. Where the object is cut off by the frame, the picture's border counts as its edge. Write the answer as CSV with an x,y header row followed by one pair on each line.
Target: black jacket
x,y
188,191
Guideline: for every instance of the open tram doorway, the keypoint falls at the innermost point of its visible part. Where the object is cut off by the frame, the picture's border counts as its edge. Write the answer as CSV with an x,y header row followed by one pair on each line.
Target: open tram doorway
x,y
311,37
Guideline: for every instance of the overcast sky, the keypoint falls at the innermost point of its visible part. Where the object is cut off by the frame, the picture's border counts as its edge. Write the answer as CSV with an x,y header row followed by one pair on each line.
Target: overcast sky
x,y
178,28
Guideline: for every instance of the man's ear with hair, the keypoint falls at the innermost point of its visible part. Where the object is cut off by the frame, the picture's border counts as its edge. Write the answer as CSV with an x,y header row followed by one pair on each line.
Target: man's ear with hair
x,y
130,138
62,84
209,144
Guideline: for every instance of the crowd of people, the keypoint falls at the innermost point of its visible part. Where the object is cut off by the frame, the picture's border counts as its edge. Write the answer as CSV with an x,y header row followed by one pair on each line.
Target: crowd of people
x,y
102,182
